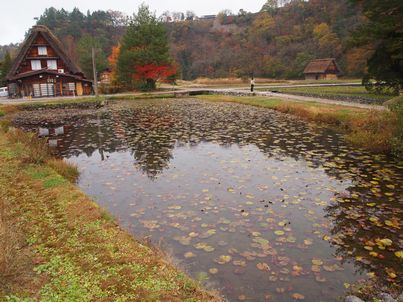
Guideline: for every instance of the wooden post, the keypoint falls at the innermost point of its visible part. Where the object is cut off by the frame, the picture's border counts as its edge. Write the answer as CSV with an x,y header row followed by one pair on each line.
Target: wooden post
x,y
94,69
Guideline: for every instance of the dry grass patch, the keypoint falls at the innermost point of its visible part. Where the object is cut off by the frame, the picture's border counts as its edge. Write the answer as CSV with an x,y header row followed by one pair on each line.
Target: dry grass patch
x,y
65,169
32,149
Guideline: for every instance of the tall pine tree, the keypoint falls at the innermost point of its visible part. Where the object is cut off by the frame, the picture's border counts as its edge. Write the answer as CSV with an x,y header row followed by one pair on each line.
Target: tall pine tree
x,y
145,44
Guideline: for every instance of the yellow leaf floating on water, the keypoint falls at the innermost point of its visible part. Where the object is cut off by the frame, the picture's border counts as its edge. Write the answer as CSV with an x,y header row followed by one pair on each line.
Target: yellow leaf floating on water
x,y
193,234
189,255
326,238
374,219
316,261
346,285
394,224
371,204
373,254
386,242
208,248
263,266
223,259
371,275
241,297
213,270
399,254
298,296
315,268
279,232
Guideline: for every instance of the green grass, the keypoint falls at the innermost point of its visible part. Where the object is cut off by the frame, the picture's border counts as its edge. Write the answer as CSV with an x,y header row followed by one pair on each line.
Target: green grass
x,y
72,249
345,91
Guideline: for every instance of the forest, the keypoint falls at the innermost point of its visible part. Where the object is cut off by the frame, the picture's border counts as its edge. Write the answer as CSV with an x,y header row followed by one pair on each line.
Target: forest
x,y
276,42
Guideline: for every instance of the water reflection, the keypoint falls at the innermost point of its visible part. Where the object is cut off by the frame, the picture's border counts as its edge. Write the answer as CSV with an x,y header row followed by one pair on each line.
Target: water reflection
x,y
257,202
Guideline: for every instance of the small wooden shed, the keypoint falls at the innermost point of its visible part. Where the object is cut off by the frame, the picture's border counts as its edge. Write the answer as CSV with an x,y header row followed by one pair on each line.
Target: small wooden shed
x,y
322,69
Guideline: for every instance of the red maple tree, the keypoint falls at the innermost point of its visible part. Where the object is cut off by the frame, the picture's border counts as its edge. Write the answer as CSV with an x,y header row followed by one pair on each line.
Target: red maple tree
x,y
153,72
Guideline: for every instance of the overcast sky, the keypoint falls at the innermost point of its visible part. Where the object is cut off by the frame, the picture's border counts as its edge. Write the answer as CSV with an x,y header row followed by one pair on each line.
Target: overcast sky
x,y
17,16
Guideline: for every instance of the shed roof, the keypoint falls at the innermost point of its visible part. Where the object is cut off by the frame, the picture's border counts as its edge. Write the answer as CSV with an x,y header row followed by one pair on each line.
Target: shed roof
x,y
320,65
54,43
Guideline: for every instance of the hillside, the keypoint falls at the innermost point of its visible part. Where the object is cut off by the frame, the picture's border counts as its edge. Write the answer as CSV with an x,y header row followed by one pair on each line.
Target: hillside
x,y
276,43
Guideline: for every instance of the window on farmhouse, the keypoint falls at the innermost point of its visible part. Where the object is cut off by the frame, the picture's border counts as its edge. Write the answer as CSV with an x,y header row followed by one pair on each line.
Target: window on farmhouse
x,y
52,64
42,51
36,65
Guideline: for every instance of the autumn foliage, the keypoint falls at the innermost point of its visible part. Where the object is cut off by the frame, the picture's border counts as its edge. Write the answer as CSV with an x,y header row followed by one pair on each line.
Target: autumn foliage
x,y
113,61
153,72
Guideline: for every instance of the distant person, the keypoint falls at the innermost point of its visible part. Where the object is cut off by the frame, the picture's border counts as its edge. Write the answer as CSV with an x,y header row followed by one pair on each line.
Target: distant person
x,y
252,84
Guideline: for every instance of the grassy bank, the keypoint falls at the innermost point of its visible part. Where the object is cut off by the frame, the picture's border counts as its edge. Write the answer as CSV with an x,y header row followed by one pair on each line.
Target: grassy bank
x,y
337,92
58,245
373,130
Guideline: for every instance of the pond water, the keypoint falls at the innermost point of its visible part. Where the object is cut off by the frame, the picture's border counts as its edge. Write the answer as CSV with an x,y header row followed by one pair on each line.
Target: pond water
x,y
254,203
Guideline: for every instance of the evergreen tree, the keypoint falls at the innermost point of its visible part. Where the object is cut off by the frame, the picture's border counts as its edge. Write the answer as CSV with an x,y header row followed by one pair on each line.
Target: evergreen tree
x,y
5,68
145,44
84,49
270,6
383,32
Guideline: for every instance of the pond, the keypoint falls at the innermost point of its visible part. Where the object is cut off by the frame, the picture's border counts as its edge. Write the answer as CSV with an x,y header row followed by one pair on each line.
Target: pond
x,y
252,202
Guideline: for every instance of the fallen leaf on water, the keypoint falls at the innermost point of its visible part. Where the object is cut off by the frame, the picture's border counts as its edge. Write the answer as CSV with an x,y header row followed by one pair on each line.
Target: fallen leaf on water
x,y
239,263
263,266
307,241
386,242
189,255
320,279
223,259
317,261
399,254
298,296
213,270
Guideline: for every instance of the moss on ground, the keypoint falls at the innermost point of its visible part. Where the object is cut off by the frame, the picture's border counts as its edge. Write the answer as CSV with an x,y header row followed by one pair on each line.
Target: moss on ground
x,y
61,246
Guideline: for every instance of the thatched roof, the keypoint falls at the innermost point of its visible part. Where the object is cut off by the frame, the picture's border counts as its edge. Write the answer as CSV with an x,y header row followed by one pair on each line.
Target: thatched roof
x,y
321,66
44,71
54,43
